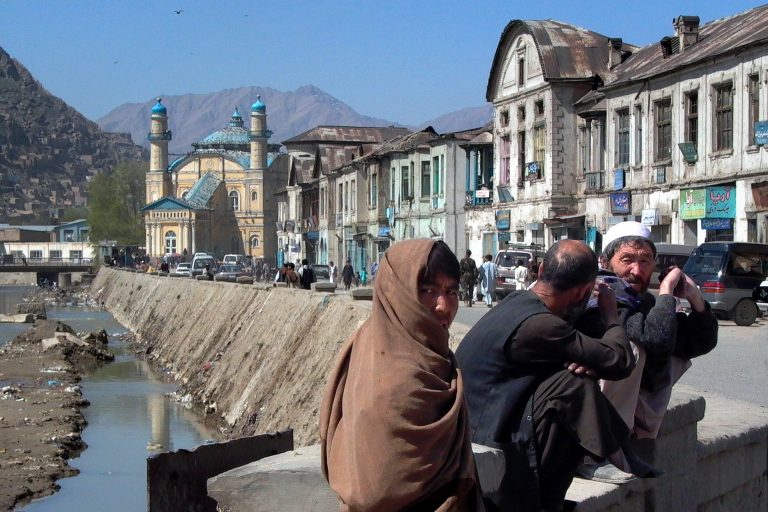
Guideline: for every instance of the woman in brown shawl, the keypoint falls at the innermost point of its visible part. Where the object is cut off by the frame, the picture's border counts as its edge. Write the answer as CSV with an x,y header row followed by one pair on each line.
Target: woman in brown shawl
x,y
393,422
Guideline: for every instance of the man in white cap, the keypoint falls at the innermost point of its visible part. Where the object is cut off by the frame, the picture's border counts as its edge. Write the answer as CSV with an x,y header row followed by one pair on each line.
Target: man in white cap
x,y
662,339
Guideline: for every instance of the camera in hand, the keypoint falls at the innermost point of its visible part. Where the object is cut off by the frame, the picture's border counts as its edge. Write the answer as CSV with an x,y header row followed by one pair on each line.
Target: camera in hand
x,y
679,287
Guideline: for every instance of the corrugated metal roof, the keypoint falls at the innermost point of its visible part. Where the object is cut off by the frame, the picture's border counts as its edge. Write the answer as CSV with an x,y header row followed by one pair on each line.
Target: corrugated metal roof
x,y
718,37
341,134
203,189
405,143
566,52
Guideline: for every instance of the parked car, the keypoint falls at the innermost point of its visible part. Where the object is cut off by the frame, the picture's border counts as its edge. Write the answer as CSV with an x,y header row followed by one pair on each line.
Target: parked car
x,y
322,274
229,273
728,274
184,268
199,263
668,255
506,261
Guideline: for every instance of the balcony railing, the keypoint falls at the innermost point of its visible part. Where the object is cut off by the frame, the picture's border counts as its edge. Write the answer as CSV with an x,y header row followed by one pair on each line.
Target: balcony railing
x,y
478,197
595,181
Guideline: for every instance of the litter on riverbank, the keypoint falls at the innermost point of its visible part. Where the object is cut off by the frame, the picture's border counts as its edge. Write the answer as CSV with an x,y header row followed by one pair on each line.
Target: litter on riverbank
x,y
40,411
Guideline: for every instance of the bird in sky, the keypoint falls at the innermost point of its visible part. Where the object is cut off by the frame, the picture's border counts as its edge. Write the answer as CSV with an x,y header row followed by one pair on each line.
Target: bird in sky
x,y
179,11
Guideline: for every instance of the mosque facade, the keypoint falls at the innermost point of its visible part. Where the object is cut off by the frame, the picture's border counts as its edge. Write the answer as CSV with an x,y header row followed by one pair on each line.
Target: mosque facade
x,y
215,199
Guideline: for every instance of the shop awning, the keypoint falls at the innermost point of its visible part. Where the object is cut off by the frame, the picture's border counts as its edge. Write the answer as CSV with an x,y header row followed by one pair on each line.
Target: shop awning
x,y
577,218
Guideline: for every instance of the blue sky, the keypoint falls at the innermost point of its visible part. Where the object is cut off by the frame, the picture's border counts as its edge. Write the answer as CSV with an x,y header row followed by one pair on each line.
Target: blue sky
x,y
405,61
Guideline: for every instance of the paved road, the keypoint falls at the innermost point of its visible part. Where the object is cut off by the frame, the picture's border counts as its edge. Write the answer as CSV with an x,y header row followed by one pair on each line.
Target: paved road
x,y
737,368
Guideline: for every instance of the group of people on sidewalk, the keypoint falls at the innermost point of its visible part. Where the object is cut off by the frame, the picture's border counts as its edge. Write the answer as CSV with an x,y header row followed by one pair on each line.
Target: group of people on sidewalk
x,y
560,377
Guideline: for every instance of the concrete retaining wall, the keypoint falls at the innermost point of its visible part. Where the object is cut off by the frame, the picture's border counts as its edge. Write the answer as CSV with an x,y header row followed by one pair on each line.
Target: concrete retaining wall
x,y
254,356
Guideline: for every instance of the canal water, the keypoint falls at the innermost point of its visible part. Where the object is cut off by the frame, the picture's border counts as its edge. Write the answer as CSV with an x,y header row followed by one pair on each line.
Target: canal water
x,y
129,419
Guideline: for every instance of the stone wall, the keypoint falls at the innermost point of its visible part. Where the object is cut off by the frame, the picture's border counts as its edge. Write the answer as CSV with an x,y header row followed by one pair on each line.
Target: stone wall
x,y
253,356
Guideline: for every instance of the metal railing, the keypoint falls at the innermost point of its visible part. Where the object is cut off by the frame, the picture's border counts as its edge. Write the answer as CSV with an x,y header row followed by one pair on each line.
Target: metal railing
x,y
10,260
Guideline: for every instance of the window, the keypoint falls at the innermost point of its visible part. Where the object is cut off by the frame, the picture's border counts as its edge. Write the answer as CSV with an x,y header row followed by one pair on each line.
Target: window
x,y
663,139
504,118
425,179
254,241
322,201
436,176
754,105
521,70
340,204
521,113
234,201
405,185
69,235
254,196
521,157
54,254
692,117
373,190
539,146
392,185
538,108
353,195
622,137
75,255
638,135
38,255
584,149
170,242
504,177
724,117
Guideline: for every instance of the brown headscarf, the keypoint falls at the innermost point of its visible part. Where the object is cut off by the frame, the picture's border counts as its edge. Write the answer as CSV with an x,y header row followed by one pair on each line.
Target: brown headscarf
x,y
393,422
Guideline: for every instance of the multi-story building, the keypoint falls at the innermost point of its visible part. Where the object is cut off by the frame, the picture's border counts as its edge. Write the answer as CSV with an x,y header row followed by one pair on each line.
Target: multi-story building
x,y
675,138
589,131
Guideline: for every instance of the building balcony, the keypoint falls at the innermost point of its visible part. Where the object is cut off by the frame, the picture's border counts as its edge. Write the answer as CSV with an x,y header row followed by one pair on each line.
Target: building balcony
x,y
595,181
159,136
478,197
259,134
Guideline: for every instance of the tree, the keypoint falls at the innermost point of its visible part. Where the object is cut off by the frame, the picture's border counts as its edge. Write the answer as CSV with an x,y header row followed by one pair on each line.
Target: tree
x,y
115,200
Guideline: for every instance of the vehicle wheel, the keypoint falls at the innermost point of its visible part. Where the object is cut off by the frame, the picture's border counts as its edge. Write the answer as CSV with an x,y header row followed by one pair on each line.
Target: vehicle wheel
x,y
744,313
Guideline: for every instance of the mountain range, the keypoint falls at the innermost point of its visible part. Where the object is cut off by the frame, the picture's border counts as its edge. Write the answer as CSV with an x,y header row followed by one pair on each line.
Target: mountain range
x,y
191,117
49,151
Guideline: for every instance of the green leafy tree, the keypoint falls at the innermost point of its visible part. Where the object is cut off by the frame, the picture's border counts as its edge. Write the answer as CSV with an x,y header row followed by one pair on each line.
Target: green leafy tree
x,y
115,200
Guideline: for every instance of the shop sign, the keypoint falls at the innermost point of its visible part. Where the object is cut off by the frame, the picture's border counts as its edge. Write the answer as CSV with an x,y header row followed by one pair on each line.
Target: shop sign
x,y
290,225
721,202
384,231
688,149
650,217
534,226
502,219
621,202
312,235
503,236
715,224
761,133
483,193
692,203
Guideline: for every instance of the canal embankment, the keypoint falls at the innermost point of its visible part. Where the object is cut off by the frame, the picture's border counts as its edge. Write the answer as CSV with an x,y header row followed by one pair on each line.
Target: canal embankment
x,y
253,358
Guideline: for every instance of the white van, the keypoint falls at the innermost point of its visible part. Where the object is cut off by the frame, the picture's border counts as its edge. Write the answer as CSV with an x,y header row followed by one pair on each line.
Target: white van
x,y
200,261
235,259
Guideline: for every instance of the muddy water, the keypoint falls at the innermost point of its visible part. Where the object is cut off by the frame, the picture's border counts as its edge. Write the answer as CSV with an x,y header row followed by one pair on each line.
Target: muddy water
x,y
129,419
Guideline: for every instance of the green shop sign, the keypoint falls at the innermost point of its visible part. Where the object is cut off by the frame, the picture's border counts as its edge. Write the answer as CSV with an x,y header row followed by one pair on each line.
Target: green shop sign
x,y
721,202
693,203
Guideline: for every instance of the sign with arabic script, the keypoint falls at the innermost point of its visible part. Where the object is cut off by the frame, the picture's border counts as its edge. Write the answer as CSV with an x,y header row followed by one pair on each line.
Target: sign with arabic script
x,y
692,203
721,202
621,203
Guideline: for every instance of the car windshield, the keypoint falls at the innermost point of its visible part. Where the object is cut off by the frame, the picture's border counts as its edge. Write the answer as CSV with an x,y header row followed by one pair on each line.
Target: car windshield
x,y
704,261
183,266
201,263
508,259
229,268
321,271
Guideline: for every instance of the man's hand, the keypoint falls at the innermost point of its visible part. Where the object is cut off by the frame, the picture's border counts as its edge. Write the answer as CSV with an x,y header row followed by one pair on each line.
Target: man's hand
x,y
606,303
578,369
680,285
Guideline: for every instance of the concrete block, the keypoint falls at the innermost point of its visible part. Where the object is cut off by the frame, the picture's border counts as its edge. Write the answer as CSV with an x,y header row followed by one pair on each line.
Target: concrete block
x,y
324,287
202,278
245,280
163,274
362,293
280,284
174,274
34,308
21,318
288,482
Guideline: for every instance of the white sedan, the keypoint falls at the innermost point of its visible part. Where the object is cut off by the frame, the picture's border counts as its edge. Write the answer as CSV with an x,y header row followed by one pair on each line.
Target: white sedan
x,y
183,269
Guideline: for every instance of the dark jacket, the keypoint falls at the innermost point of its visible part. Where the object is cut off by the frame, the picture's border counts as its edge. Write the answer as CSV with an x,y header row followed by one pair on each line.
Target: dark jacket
x,y
662,332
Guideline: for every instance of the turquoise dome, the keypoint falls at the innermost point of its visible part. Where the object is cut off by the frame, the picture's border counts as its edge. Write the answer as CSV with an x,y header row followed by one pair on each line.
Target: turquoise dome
x,y
159,108
258,106
234,136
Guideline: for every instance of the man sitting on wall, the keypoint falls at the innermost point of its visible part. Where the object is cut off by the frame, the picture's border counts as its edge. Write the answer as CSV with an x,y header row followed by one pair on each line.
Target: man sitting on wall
x,y
525,384
663,340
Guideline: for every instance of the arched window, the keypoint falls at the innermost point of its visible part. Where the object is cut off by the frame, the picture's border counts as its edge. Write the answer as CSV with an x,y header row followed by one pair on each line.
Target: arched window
x,y
170,242
254,241
234,200
254,196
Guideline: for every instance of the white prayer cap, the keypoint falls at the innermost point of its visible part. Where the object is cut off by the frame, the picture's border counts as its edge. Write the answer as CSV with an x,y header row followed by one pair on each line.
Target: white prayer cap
x,y
627,228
